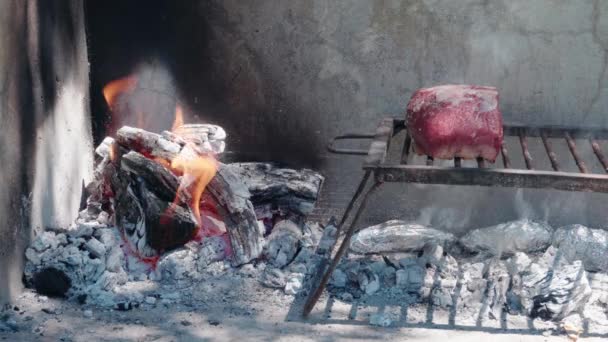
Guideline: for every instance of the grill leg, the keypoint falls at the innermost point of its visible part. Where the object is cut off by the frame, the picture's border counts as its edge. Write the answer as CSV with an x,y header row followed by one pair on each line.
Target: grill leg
x,y
314,296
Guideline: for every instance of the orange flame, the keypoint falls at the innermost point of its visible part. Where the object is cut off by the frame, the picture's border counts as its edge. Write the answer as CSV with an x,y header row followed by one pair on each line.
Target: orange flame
x,y
112,151
179,118
120,86
197,173
196,170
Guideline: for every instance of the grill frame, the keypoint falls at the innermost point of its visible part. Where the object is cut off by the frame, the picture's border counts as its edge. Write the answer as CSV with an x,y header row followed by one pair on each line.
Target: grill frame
x,y
584,180
376,164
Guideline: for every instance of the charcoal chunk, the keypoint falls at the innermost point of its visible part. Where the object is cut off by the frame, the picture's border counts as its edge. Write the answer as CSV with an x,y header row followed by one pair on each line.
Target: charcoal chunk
x,y
51,282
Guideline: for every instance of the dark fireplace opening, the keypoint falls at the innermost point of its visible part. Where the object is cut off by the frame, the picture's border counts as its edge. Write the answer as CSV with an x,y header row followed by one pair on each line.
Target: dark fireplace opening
x,y
184,52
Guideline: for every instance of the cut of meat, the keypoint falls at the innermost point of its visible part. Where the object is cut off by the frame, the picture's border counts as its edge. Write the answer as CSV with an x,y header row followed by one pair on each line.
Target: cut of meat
x,y
456,121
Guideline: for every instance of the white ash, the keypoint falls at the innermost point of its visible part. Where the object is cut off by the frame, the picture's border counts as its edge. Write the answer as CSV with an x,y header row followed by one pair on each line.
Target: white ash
x,y
577,242
369,281
283,243
273,277
382,319
497,285
563,292
294,283
103,150
508,238
396,236
486,288
543,285
209,138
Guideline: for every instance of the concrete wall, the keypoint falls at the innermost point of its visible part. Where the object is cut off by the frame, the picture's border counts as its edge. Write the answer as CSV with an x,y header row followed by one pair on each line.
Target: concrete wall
x,y
323,67
302,71
283,76
45,130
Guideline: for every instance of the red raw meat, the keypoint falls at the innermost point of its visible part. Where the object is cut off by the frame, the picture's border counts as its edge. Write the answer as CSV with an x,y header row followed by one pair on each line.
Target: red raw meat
x,y
456,121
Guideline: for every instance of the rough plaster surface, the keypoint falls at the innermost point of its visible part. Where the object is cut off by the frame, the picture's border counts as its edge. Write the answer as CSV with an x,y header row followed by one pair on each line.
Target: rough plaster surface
x,y
45,132
317,68
345,62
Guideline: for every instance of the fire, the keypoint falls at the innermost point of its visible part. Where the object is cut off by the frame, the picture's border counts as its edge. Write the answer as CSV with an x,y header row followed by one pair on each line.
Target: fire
x,y
196,170
197,173
179,118
120,86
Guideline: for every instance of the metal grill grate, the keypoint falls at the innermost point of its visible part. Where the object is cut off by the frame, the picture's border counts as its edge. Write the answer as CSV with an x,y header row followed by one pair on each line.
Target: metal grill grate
x,y
429,173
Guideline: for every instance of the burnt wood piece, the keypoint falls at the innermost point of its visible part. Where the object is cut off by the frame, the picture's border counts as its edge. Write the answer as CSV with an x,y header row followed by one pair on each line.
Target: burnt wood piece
x,y
150,224
168,226
173,137
232,197
207,138
163,181
457,162
572,146
129,216
51,282
379,146
598,153
285,189
149,144
103,150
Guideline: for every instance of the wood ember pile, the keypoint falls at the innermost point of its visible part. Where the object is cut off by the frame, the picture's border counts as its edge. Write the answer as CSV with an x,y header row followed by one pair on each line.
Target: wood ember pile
x,y
141,224
137,182
521,267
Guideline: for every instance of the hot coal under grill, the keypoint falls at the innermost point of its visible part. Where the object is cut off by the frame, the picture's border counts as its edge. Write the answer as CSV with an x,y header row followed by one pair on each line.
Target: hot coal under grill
x,y
384,171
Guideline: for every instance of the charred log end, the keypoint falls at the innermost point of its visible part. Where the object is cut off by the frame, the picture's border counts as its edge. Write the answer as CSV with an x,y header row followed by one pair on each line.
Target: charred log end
x,y
170,228
232,197
52,282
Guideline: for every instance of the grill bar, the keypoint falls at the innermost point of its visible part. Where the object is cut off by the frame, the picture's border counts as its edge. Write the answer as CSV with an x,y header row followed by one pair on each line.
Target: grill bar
x,y
550,153
572,146
406,148
505,156
524,148
598,153
385,172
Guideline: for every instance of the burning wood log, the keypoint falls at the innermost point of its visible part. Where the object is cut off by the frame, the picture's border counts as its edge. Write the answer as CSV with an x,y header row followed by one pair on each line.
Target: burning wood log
x,y
167,225
149,144
233,203
152,187
286,190
163,181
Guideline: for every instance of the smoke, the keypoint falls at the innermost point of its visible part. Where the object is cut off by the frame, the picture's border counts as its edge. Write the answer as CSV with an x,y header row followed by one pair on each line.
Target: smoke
x,y
150,104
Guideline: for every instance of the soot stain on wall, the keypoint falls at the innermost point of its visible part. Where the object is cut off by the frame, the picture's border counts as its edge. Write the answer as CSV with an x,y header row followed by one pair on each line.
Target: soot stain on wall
x,y
217,81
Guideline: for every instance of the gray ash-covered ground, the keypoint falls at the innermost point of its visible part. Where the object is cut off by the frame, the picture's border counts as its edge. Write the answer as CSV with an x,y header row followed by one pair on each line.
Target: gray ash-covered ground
x,y
536,294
